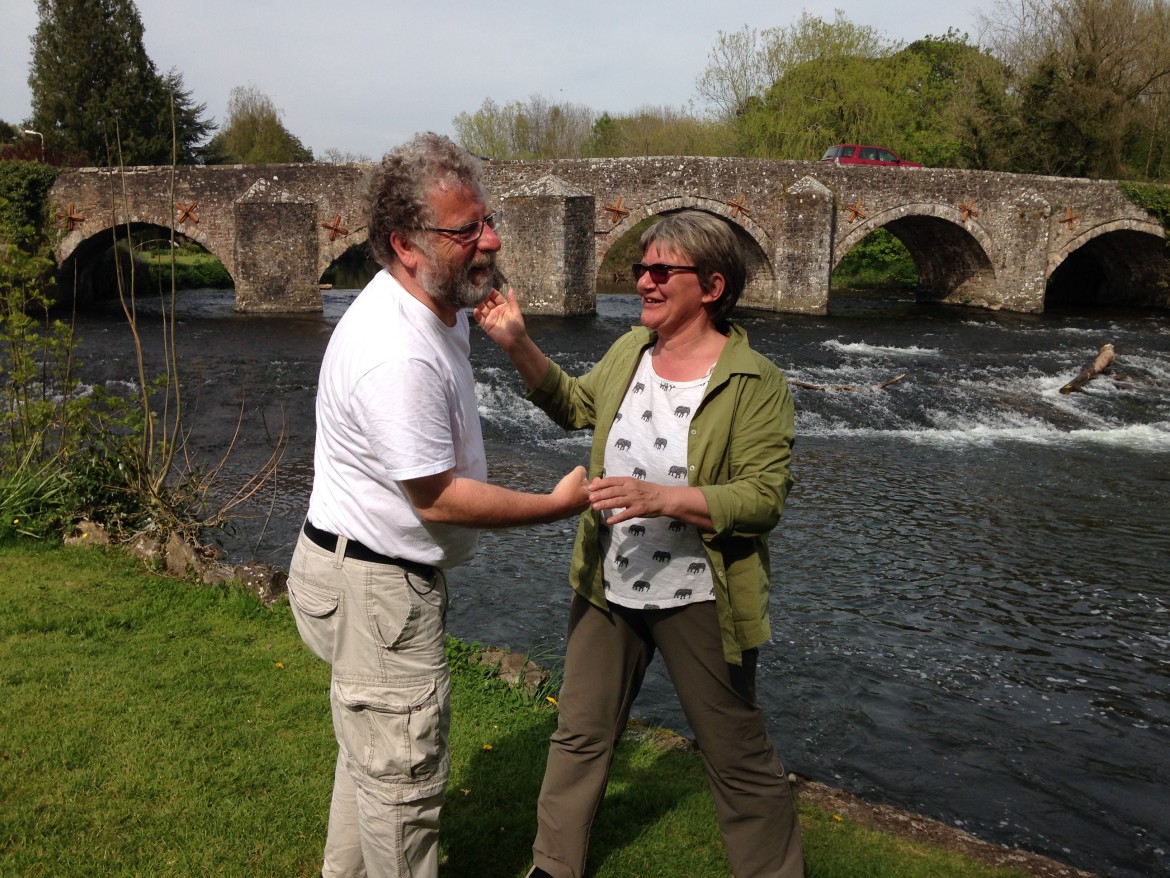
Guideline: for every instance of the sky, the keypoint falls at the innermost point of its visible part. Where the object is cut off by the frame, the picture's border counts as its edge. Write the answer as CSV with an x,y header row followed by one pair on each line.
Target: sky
x,y
363,76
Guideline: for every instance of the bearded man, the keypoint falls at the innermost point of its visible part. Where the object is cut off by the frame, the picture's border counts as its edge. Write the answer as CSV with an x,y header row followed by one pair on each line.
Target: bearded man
x,y
399,495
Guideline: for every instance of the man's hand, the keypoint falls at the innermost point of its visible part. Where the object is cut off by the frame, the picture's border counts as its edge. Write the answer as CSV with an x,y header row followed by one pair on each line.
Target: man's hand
x,y
573,491
444,499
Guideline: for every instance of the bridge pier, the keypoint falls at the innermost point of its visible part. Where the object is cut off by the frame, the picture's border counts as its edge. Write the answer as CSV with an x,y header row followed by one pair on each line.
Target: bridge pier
x,y
804,249
276,244
548,255
1021,255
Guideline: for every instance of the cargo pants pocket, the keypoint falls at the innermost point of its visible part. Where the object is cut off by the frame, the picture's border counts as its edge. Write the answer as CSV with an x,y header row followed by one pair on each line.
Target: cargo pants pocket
x,y
316,611
394,734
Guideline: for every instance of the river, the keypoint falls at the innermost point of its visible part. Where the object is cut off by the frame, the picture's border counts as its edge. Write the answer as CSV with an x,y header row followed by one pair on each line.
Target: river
x,y
971,602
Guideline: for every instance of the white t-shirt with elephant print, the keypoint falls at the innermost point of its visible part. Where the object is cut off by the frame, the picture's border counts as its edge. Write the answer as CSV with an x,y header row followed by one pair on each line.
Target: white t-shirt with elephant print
x,y
654,563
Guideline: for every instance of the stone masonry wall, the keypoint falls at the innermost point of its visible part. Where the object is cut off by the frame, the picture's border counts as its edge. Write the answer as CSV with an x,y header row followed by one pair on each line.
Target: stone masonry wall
x,y
978,238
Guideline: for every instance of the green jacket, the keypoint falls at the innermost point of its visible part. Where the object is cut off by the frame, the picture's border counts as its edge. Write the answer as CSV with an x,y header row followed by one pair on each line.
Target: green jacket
x,y
738,454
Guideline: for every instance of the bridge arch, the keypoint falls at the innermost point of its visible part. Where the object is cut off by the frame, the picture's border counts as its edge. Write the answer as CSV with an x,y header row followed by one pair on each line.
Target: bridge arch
x,y
755,242
336,247
104,230
1111,263
80,256
955,255
348,267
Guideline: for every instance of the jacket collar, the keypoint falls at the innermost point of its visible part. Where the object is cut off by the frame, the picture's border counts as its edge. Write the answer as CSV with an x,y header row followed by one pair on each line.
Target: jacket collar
x,y
736,357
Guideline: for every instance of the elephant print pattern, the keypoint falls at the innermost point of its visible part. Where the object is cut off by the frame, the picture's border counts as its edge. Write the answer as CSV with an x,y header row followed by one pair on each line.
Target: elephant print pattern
x,y
654,563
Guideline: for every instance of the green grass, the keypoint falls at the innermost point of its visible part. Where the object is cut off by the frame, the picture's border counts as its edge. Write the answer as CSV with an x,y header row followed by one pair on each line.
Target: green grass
x,y
149,727
879,261
192,270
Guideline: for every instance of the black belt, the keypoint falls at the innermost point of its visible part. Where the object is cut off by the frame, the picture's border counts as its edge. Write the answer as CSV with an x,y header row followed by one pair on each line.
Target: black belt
x,y
358,552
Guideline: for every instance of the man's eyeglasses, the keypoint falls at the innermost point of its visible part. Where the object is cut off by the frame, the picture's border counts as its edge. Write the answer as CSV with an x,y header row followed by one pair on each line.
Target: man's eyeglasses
x,y
470,232
659,271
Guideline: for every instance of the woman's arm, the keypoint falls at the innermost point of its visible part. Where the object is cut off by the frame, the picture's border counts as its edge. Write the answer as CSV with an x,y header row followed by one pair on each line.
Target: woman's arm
x,y
503,322
746,487
637,498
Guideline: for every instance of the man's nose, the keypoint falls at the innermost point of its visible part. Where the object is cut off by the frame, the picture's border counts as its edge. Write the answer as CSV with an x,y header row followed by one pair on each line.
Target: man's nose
x,y
489,240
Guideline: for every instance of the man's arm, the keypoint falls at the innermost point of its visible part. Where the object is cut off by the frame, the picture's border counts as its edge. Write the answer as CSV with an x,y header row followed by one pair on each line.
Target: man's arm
x,y
443,499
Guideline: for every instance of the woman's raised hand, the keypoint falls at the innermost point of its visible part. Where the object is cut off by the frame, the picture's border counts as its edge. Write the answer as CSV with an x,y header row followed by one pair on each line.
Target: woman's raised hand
x,y
501,318
503,322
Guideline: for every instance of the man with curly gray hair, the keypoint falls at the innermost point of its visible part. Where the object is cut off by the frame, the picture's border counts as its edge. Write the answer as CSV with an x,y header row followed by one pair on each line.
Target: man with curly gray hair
x,y
399,494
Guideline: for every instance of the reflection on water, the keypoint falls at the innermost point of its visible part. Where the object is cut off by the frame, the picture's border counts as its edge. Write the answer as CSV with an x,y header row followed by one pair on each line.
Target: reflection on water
x,y
971,581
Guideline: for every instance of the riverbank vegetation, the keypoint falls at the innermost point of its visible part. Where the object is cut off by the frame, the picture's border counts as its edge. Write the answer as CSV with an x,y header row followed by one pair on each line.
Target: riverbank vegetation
x,y
153,727
188,265
72,451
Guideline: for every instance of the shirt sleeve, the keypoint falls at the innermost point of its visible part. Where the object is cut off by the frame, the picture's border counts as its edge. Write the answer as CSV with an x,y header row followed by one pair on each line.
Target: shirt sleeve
x,y
404,409
747,484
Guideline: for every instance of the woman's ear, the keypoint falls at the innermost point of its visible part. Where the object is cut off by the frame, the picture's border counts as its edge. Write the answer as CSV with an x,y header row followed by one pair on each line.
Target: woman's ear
x,y
716,283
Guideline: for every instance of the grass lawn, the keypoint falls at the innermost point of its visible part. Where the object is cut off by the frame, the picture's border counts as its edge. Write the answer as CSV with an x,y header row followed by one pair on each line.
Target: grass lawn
x,y
149,727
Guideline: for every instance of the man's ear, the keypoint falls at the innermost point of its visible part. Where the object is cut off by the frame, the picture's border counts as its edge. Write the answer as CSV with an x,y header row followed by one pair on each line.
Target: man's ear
x,y
406,250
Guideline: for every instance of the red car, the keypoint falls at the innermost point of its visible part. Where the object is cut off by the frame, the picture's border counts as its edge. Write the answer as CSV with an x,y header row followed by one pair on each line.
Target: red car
x,y
857,154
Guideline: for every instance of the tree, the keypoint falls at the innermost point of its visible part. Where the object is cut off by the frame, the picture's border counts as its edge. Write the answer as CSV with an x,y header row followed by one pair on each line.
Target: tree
x,y
652,130
837,82
254,133
791,91
941,102
335,156
1090,82
487,132
15,145
97,94
535,129
539,129
735,72
743,65
981,115
192,128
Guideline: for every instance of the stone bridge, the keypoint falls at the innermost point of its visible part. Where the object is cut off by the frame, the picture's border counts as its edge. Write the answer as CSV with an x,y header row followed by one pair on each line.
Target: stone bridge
x,y
993,240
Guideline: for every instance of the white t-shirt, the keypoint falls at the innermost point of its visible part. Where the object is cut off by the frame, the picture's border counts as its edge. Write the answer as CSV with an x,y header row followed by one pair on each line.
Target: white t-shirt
x,y
654,563
395,400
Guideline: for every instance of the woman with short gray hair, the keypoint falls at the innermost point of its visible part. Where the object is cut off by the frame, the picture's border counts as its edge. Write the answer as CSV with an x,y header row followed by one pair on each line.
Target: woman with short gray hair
x,y
692,440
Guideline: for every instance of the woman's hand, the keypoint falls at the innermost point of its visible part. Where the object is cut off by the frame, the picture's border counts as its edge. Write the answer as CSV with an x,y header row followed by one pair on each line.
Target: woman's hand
x,y
503,321
632,498
637,498
501,318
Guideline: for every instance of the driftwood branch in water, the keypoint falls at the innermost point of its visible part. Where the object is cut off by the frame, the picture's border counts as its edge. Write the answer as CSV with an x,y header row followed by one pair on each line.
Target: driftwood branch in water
x,y
845,387
1104,361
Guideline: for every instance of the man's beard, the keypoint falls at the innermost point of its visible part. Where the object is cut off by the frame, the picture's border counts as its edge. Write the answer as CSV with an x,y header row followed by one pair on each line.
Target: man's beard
x,y
450,283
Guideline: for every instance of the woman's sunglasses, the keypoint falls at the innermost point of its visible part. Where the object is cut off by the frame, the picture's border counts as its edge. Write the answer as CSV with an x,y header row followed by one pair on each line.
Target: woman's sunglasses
x,y
659,271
